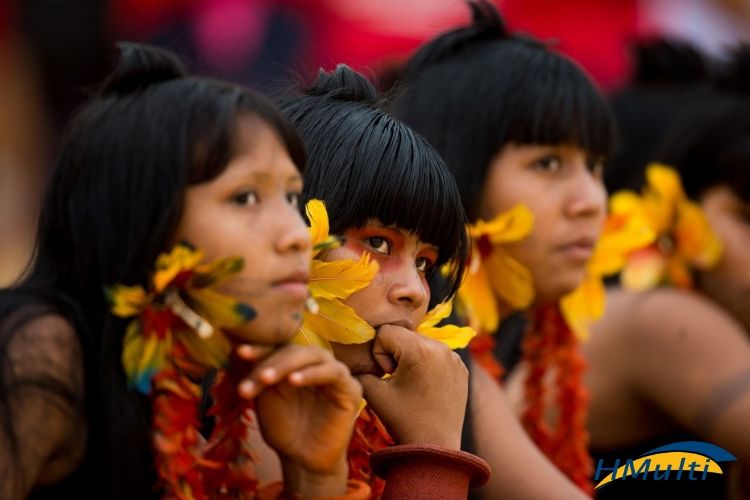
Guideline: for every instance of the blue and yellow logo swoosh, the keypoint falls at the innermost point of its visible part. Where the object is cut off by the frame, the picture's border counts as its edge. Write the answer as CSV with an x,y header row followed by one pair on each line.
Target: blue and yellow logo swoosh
x,y
673,457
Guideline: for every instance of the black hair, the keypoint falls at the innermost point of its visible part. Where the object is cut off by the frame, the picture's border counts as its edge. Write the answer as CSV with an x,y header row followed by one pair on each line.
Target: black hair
x,y
473,90
710,146
670,78
366,165
113,202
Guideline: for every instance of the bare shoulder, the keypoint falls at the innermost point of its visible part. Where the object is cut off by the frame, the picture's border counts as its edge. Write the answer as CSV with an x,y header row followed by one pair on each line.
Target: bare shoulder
x,y
673,321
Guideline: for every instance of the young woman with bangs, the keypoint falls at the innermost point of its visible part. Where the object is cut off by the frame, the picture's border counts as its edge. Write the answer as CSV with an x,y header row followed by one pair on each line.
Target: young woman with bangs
x,y
519,124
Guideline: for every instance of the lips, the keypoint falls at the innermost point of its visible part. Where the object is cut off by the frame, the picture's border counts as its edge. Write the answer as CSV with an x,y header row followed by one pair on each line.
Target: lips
x,y
578,249
294,284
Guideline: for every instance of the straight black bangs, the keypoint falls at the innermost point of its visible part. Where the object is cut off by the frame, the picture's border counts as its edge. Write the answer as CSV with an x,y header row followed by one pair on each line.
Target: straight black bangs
x,y
551,101
366,165
501,91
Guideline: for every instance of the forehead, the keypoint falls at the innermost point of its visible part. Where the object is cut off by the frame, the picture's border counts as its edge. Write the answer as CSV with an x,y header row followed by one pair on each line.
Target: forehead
x,y
259,150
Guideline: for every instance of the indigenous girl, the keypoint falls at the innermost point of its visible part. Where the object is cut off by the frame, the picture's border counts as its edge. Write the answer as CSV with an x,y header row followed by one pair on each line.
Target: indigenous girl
x,y
388,193
526,135
390,197
159,159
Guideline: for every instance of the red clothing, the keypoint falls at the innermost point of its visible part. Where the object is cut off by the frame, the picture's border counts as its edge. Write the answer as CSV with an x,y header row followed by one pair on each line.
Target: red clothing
x,y
424,471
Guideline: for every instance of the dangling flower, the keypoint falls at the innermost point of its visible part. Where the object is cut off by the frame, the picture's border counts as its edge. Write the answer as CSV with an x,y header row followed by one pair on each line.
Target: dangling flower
x,y
684,239
329,319
180,306
493,272
624,232
175,338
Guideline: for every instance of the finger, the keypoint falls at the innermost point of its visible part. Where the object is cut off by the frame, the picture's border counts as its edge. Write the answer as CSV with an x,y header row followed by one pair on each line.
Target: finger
x,y
252,352
382,357
331,376
395,340
279,365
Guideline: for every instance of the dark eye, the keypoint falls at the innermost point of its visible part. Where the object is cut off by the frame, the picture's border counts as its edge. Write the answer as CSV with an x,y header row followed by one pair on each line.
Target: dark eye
x,y
245,198
423,264
293,199
380,245
549,163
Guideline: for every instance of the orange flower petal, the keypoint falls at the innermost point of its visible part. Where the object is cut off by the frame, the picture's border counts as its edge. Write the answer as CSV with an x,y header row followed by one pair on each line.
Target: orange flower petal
x,y
644,270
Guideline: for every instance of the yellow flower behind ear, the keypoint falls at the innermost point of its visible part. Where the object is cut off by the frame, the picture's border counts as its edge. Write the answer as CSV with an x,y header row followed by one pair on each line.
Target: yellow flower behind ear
x,y
624,231
319,228
684,239
453,336
330,284
493,272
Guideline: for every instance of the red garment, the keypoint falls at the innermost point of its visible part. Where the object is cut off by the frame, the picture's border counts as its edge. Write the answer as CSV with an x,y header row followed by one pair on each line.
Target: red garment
x,y
425,471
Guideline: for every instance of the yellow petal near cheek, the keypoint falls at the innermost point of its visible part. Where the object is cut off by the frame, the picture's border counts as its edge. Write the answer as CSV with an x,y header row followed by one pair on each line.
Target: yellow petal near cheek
x,y
318,217
510,279
513,225
478,302
337,322
455,337
340,278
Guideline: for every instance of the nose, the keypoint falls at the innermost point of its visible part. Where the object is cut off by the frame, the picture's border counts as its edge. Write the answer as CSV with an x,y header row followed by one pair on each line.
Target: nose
x,y
293,235
587,196
408,288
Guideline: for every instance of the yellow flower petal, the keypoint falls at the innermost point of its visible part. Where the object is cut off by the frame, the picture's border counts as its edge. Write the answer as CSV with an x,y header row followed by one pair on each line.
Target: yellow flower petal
x,y
222,311
337,322
664,181
478,303
437,314
168,266
513,225
340,278
509,279
318,217
126,300
217,272
584,306
696,241
213,351
455,337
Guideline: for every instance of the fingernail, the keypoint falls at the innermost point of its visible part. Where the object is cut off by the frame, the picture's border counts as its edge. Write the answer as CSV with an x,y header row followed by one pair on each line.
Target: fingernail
x,y
246,351
296,377
268,374
246,389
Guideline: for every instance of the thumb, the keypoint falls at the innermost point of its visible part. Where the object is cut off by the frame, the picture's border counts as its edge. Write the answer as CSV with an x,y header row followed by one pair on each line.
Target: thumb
x,y
395,341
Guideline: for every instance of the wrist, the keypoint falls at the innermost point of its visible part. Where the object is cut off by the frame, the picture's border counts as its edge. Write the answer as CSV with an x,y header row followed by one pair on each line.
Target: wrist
x,y
301,482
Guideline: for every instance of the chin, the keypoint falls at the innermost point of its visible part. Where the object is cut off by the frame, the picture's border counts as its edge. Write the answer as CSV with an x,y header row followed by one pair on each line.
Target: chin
x,y
553,292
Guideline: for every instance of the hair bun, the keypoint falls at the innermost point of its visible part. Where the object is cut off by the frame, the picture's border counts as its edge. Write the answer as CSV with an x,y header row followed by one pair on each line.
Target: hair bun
x,y
343,83
486,24
141,65
669,61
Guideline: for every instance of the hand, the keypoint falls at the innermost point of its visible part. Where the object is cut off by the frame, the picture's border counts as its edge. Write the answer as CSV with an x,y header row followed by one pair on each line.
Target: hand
x,y
306,403
368,357
424,400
